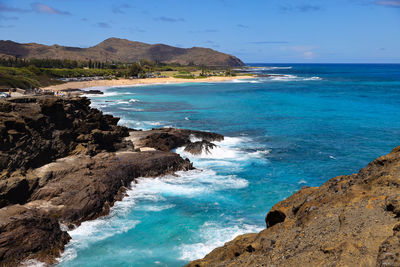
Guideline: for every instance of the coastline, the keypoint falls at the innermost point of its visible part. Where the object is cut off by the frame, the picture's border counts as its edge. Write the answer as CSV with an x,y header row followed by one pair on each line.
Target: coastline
x,y
133,82
306,208
97,167
350,220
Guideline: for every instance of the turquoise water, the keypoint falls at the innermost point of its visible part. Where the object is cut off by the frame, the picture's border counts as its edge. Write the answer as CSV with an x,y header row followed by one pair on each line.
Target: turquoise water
x,y
283,132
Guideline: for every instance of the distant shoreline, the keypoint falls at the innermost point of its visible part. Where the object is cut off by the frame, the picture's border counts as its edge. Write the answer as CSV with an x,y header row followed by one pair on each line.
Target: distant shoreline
x,y
147,81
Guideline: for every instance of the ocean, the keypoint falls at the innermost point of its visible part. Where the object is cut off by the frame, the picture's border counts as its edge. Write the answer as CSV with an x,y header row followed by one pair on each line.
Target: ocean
x,y
299,127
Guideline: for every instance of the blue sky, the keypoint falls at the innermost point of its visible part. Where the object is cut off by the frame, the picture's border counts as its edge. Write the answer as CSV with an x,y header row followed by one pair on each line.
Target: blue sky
x,y
364,31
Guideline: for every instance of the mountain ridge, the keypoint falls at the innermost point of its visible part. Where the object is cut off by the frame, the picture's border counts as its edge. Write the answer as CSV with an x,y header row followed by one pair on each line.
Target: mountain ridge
x,y
121,50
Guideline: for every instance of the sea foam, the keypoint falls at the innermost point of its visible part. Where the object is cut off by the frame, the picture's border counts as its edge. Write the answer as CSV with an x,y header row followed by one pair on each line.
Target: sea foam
x,y
228,149
212,235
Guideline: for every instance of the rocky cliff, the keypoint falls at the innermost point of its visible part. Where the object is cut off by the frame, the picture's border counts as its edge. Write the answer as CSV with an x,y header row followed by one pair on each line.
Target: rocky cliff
x,y
62,162
351,220
122,50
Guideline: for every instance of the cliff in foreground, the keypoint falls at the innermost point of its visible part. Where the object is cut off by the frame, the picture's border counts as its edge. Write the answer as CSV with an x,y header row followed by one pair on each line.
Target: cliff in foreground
x,y
62,162
351,220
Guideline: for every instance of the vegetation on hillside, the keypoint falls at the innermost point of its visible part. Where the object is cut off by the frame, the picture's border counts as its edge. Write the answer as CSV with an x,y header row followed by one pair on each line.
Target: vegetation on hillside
x,y
34,73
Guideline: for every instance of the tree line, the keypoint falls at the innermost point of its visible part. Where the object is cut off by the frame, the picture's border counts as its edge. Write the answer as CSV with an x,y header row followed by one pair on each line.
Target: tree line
x,y
60,63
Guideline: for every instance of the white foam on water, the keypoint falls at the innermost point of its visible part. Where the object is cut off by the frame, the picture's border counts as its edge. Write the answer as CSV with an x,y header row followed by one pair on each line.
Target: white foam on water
x,y
279,68
243,81
284,78
132,109
155,208
107,94
122,102
187,184
152,123
315,78
153,191
289,78
90,232
212,235
144,125
228,149
133,100
32,263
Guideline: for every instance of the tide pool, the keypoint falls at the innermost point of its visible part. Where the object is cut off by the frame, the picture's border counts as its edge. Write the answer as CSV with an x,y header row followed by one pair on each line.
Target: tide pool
x,y
303,125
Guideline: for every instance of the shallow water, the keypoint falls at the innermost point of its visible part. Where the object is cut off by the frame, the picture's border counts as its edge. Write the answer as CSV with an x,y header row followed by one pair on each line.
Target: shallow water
x,y
283,132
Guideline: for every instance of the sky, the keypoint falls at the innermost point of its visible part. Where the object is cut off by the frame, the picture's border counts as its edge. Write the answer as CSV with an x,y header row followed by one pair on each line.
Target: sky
x,y
273,31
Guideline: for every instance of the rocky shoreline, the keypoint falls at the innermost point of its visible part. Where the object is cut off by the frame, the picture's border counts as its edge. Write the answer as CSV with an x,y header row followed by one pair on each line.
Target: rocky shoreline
x,y
63,163
351,220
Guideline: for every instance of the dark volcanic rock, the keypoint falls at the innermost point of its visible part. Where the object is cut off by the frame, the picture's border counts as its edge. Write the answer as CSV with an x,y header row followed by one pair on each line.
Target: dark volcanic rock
x,y
93,182
94,92
350,220
198,147
35,131
26,231
72,190
63,162
166,139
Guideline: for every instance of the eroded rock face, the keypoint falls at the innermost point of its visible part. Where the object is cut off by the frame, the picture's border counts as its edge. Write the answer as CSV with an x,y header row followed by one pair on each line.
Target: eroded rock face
x,y
36,130
93,182
25,232
62,162
350,220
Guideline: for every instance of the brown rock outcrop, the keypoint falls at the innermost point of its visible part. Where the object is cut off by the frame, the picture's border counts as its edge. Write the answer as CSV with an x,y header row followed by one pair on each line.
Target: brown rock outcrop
x,y
36,130
62,163
350,220
166,139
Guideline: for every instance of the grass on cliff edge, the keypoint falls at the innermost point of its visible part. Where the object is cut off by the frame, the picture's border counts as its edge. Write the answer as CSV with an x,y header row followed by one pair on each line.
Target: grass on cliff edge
x,y
24,78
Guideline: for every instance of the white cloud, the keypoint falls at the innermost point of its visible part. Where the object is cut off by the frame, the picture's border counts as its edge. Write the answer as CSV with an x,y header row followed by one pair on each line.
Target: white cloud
x,y
42,8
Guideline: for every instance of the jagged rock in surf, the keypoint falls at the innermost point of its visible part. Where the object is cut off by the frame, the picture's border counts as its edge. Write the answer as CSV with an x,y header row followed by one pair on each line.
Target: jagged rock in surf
x,y
197,148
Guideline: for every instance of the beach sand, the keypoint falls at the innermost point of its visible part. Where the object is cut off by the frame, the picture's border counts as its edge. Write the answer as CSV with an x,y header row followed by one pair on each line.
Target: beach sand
x,y
126,82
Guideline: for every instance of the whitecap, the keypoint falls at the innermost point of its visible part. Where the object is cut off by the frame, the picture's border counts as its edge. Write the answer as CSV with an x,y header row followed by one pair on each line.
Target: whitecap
x,y
107,94
133,100
152,123
212,235
243,81
314,78
122,102
132,109
284,78
155,208
302,181
227,149
186,184
32,263
90,232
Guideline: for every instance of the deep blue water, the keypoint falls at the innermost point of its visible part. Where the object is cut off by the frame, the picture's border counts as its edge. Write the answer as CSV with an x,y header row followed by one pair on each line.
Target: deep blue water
x,y
316,122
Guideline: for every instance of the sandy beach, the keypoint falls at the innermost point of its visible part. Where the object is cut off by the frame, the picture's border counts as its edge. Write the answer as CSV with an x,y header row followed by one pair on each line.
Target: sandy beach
x,y
126,82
